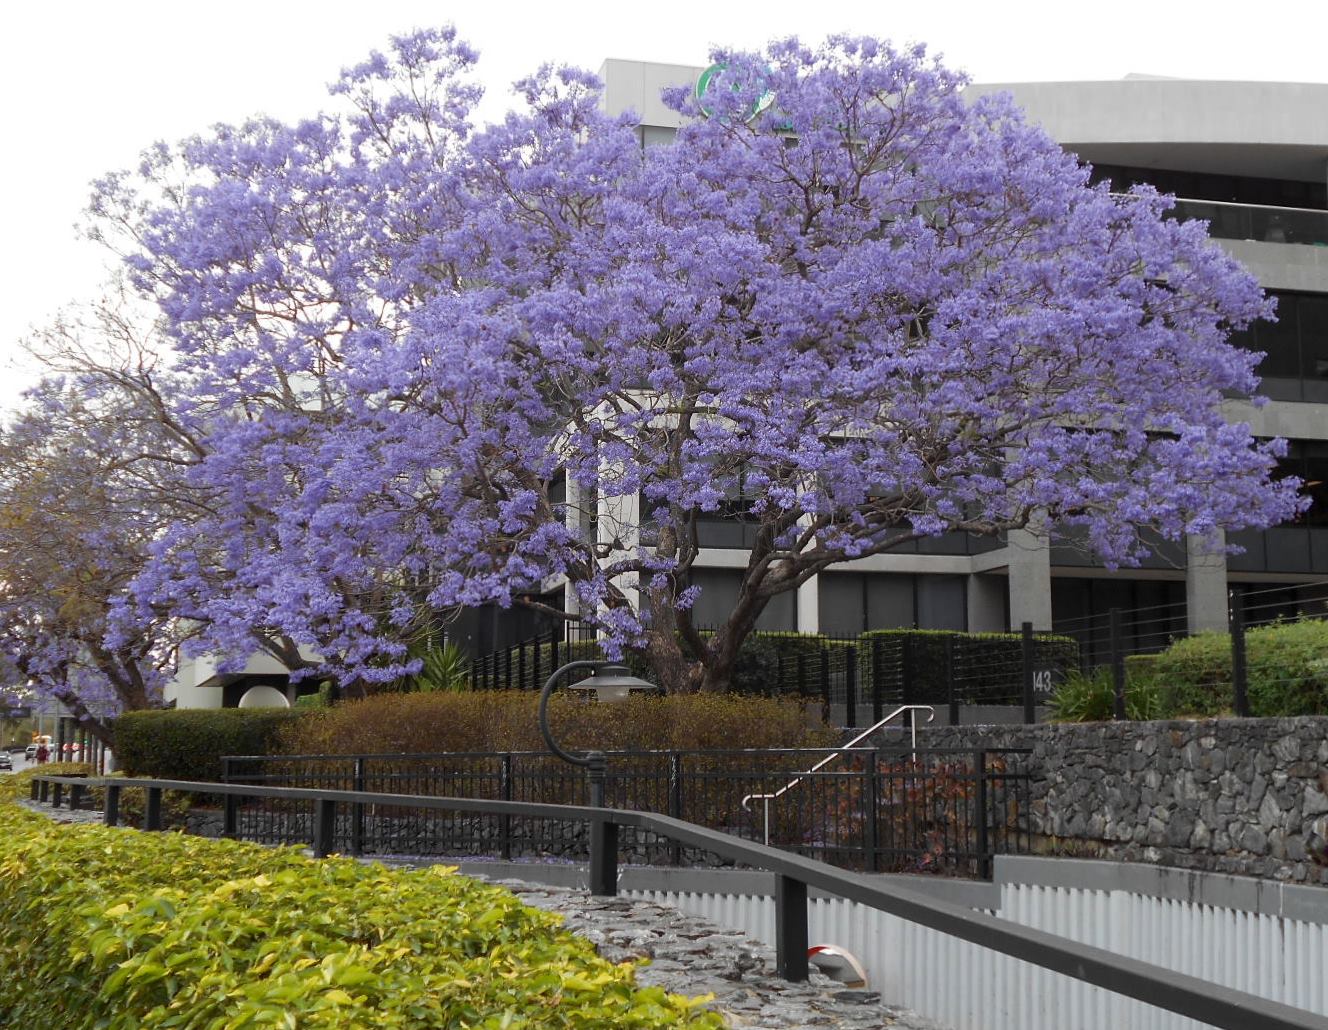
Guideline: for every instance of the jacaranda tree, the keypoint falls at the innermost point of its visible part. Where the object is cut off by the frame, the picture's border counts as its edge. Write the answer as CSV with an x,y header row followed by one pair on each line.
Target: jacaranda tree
x,y
445,366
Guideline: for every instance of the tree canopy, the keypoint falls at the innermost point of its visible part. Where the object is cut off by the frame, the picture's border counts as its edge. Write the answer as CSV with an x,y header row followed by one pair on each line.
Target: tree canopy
x,y
437,365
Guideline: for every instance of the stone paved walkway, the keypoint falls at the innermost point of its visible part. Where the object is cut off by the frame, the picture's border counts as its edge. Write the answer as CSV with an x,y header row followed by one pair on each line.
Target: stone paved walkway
x,y
688,955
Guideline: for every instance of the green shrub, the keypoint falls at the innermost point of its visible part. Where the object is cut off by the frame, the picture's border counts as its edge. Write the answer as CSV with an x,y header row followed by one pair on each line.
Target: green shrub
x,y
1287,674
506,721
113,929
187,743
1091,697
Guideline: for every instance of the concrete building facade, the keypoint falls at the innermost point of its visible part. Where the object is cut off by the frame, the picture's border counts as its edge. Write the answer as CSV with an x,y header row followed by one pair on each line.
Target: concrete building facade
x,y
1252,159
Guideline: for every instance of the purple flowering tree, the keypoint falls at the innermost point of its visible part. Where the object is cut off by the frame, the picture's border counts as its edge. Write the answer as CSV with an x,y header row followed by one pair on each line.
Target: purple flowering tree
x,y
453,367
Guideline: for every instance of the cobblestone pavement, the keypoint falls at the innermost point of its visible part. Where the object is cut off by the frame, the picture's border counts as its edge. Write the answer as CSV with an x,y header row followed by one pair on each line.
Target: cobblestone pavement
x,y
688,955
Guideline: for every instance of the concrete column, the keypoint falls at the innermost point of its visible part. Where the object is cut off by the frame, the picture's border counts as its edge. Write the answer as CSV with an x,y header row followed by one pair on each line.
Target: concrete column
x,y
986,604
1206,583
620,524
575,500
809,607
1030,578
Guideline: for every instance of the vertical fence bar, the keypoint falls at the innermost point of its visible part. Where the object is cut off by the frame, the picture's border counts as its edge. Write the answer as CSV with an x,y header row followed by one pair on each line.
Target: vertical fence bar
x,y
357,812
825,681
980,815
850,686
1239,663
675,802
521,665
877,681
871,791
505,820
554,664
906,678
790,928
152,814
801,661
1117,662
536,678
948,649
58,798
1026,662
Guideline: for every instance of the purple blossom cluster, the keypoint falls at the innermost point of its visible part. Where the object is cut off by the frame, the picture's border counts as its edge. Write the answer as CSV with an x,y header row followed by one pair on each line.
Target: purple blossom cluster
x,y
427,365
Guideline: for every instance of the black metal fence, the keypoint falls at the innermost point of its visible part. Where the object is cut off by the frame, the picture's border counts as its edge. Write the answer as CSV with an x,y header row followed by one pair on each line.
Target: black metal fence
x,y
857,679
1202,1000
938,811
1126,644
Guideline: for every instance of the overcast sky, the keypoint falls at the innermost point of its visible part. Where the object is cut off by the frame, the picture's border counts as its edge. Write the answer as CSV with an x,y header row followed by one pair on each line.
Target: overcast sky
x,y
88,85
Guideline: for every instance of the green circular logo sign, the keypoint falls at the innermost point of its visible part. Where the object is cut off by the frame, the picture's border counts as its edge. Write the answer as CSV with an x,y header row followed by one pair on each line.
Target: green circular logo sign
x,y
707,77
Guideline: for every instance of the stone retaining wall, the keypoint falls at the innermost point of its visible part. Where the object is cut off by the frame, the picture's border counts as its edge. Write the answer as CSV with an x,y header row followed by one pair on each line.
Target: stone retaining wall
x,y
1246,796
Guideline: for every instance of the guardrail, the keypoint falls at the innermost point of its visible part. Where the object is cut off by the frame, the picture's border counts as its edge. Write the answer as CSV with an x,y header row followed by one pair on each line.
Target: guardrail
x,y
1201,1000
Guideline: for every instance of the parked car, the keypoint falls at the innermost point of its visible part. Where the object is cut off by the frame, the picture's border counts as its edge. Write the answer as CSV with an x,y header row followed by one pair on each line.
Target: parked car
x,y
16,749
5,761
30,752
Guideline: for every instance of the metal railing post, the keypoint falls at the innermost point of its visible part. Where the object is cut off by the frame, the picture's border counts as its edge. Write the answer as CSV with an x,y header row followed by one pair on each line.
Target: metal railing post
x,y
325,825
111,805
790,928
1239,662
1026,662
59,795
230,816
603,858
152,809
980,803
1117,663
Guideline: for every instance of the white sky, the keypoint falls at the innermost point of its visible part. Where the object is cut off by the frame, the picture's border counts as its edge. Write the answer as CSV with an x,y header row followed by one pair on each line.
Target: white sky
x,y
88,85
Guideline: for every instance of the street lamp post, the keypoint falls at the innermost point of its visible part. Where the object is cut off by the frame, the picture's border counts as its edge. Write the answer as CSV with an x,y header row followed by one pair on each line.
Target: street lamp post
x,y
610,683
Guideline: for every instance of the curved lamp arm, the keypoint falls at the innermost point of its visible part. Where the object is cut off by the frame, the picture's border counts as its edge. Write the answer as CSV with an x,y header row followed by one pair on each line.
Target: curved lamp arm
x,y
545,694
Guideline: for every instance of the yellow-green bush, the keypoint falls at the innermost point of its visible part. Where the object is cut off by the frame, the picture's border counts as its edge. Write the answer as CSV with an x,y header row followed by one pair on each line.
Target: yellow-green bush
x,y
505,721
115,929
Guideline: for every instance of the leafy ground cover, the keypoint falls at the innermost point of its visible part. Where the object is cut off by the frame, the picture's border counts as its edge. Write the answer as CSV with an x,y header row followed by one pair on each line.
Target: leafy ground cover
x,y
113,929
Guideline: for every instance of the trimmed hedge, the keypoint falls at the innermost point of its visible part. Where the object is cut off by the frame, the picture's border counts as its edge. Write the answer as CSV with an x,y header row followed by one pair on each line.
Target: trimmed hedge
x,y
505,720
756,671
988,666
110,929
187,743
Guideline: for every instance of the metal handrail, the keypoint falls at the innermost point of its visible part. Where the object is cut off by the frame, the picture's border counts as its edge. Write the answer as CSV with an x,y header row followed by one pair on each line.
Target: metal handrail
x,y
1206,1002
913,732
